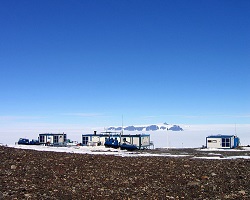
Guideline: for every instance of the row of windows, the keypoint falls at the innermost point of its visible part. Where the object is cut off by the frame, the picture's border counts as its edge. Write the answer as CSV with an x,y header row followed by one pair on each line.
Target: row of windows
x,y
225,142
56,138
85,140
42,138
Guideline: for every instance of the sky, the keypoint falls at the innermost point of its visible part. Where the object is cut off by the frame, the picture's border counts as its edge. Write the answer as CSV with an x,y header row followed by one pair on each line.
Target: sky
x,y
103,63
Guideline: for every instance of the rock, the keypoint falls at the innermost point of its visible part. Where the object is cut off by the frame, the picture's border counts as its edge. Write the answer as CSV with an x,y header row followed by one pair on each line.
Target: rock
x,y
204,178
13,167
27,195
193,183
243,192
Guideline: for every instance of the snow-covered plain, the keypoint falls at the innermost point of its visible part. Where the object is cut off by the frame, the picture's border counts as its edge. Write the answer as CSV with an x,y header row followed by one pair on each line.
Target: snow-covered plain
x,y
193,136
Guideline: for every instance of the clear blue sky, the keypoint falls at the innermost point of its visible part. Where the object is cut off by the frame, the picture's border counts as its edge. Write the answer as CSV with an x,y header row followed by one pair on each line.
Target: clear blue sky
x,y
92,61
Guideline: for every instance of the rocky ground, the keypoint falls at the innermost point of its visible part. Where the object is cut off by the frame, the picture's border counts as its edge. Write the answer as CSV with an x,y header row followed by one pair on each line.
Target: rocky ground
x,y
29,174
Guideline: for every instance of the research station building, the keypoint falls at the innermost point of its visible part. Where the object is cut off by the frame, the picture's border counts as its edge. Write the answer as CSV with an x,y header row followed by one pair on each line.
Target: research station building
x,y
52,139
222,141
142,141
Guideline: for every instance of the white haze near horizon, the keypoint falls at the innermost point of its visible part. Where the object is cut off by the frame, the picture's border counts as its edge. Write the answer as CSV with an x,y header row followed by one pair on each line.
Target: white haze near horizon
x,y
192,136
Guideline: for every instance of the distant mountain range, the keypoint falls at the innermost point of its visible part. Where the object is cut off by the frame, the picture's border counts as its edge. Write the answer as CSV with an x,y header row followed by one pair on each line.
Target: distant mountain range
x,y
164,126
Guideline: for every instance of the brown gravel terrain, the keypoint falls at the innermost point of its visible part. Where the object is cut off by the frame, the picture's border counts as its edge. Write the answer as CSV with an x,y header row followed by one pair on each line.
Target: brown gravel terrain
x,y
29,174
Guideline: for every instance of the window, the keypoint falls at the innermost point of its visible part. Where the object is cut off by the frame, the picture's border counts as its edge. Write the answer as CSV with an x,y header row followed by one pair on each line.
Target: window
x,y
225,142
41,138
212,141
56,139
85,140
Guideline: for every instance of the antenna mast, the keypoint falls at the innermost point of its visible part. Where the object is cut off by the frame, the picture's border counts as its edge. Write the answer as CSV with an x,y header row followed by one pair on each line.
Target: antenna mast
x,y
122,124
235,129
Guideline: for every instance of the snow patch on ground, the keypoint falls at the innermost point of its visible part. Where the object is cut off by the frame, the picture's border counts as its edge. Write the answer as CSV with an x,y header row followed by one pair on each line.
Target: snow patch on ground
x,y
100,150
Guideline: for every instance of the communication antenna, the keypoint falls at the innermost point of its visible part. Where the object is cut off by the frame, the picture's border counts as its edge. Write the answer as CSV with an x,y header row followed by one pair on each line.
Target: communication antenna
x,y
122,124
121,133
235,129
167,139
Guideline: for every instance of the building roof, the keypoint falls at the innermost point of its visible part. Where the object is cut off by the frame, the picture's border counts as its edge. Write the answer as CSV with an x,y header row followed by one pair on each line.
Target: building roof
x,y
51,134
220,136
115,135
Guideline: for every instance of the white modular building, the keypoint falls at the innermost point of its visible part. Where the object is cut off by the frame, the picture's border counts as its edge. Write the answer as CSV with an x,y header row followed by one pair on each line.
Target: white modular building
x,y
141,141
52,139
222,141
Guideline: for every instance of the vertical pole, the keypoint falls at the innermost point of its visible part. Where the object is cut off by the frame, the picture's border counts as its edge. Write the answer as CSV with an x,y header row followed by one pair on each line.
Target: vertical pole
x,y
235,129
122,124
167,139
